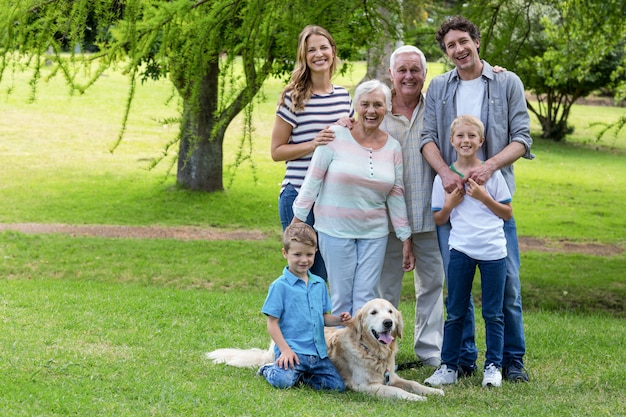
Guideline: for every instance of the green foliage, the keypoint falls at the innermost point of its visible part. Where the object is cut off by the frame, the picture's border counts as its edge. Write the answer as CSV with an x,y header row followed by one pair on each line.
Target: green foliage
x,y
615,127
193,44
420,21
562,50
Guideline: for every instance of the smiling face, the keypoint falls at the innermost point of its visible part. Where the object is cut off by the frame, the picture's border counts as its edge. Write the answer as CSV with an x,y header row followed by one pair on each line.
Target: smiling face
x,y
300,258
466,139
371,108
408,74
320,54
380,320
463,52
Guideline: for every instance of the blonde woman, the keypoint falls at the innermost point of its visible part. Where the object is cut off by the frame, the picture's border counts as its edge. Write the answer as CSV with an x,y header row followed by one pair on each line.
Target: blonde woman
x,y
308,105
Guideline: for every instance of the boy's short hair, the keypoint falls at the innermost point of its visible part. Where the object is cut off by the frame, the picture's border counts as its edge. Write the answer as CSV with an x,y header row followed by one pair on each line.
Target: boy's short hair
x,y
299,232
470,120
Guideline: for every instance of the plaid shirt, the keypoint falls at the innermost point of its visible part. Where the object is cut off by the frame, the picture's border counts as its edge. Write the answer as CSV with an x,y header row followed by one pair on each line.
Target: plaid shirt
x,y
418,175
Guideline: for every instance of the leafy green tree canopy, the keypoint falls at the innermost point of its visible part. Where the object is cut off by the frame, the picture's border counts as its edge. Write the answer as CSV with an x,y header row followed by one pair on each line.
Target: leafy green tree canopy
x,y
562,50
216,53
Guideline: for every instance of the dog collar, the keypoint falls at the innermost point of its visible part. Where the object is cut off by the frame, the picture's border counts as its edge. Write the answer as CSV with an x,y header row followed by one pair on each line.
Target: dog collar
x,y
386,376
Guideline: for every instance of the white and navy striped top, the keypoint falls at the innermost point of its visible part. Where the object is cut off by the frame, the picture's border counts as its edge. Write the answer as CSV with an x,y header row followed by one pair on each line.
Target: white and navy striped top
x,y
320,111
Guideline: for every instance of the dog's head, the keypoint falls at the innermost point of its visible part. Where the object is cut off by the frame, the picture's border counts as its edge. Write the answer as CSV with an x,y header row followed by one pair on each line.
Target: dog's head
x,y
380,320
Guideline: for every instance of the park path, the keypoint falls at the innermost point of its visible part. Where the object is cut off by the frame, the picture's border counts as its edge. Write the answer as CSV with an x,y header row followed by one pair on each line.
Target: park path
x,y
210,233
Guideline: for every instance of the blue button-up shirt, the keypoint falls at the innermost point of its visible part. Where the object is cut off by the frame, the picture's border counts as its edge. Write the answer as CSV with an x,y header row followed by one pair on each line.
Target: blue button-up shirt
x,y
503,113
300,311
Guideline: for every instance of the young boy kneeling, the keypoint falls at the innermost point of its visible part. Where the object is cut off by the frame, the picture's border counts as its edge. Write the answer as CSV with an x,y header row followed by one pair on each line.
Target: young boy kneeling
x,y
297,308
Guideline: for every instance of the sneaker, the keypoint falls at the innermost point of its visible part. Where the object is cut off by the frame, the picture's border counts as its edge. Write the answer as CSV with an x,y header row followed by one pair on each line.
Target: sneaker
x,y
492,377
515,373
442,376
466,370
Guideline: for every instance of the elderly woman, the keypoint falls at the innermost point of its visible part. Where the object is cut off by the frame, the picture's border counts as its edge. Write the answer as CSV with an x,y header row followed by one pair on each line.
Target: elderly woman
x,y
356,184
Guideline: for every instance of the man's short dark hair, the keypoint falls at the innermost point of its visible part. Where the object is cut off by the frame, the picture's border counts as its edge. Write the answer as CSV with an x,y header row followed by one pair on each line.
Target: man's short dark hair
x,y
456,23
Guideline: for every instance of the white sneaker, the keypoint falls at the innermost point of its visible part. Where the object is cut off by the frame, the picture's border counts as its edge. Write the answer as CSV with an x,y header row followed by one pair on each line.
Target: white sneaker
x,y
492,376
442,376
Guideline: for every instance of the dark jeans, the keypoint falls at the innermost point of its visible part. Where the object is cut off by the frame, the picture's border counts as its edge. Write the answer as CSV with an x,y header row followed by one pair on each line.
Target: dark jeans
x,y
514,339
460,273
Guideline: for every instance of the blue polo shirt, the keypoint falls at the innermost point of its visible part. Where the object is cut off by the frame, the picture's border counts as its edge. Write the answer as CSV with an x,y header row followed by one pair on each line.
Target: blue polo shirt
x,y
300,311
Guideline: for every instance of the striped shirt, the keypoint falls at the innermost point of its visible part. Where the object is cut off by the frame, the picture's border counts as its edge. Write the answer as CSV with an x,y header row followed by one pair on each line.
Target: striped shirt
x,y
320,111
355,189
418,175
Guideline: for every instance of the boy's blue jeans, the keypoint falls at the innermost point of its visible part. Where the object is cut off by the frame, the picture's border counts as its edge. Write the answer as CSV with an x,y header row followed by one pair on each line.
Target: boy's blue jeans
x,y
514,340
319,374
460,273
285,211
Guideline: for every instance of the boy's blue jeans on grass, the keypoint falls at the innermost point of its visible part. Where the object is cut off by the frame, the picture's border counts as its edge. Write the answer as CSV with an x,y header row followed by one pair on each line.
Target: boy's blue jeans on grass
x,y
460,273
319,374
285,211
514,340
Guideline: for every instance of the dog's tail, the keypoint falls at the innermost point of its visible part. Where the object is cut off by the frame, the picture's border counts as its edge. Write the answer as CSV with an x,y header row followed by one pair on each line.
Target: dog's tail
x,y
242,358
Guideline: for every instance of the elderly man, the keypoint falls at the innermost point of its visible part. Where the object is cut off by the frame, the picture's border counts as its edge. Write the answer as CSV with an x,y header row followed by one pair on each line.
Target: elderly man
x,y
407,71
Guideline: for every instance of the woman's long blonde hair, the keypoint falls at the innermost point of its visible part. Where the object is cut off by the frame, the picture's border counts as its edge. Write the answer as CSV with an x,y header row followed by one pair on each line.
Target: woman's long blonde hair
x,y
300,84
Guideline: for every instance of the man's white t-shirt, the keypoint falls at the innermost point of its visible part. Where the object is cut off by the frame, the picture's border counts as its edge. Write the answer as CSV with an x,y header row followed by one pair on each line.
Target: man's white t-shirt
x,y
469,100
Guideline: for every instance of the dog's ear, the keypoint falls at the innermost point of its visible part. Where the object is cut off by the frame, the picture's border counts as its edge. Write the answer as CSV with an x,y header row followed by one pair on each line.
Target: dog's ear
x,y
400,323
358,323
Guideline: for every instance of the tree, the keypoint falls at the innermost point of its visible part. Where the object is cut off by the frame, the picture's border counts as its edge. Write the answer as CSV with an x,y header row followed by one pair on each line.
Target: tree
x,y
216,53
561,49
411,24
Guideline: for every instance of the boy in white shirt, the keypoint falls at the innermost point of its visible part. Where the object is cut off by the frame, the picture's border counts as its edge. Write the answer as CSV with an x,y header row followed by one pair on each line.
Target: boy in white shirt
x,y
476,240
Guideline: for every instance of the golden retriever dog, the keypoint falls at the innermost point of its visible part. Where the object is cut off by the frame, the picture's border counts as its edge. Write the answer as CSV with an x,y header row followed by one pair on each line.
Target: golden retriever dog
x,y
363,352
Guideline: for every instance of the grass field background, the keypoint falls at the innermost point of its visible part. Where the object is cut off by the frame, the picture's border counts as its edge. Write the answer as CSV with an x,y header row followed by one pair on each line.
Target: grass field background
x,y
95,326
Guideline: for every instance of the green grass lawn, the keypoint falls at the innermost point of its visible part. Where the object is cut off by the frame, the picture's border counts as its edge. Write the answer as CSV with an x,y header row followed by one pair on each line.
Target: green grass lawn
x,y
119,327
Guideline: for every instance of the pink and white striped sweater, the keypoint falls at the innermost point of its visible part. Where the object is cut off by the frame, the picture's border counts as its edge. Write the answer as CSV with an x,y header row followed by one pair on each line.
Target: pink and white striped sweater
x,y
355,189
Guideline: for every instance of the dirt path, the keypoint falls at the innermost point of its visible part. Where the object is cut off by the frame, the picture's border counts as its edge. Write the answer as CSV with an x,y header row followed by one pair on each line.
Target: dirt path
x,y
204,233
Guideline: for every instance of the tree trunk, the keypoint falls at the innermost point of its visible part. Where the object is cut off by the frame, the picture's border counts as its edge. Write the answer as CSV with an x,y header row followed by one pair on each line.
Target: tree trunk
x,y
378,63
379,53
200,153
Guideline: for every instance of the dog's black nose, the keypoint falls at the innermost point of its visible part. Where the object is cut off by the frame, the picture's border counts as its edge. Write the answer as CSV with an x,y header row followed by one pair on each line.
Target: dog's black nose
x,y
387,323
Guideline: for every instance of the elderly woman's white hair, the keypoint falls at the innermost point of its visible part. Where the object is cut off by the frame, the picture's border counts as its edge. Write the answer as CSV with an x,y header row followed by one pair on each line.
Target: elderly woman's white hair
x,y
367,87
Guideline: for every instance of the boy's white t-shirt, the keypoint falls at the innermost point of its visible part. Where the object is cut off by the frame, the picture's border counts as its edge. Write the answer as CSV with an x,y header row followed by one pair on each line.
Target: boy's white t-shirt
x,y
476,230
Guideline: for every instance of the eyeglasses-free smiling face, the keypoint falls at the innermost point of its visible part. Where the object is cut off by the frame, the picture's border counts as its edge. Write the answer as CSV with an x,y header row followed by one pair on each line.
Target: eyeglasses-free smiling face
x,y
300,258
371,109
408,74
466,139
462,49
319,53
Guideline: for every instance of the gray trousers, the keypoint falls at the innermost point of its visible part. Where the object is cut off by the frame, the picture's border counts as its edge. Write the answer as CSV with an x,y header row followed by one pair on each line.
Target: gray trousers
x,y
428,280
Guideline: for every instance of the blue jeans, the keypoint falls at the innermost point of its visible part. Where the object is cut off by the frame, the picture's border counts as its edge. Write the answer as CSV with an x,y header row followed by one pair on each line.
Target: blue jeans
x,y
514,340
319,374
460,273
285,211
